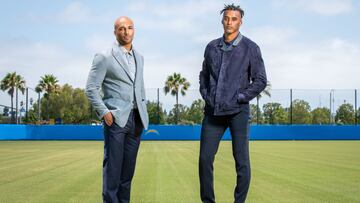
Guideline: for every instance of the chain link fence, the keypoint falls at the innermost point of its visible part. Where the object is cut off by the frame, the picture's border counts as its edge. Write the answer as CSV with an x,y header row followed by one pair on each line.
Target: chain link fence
x,y
283,106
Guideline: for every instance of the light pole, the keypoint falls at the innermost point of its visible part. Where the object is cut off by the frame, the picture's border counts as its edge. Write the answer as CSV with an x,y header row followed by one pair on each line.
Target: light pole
x,y
26,103
31,101
21,111
291,106
16,109
356,115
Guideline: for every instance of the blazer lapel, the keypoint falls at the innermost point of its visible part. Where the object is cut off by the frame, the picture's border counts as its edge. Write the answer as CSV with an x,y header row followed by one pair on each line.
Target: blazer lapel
x,y
116,52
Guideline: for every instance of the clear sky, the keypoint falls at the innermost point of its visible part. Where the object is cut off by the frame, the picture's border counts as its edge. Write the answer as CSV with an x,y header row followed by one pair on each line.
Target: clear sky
x,y
306,44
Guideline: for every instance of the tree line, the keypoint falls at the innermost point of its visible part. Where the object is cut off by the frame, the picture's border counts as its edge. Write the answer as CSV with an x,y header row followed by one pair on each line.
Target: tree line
x,y
69,105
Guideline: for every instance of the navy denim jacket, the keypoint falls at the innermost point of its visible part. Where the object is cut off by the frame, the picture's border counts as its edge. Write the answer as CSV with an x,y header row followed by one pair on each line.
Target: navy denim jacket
x,y
230,79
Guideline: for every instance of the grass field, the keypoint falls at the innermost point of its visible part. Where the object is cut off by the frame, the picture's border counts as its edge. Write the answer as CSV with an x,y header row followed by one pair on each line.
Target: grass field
x,y
282,171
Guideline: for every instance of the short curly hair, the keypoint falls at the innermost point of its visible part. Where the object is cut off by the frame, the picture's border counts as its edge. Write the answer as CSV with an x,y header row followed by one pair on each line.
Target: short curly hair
x,y
232,7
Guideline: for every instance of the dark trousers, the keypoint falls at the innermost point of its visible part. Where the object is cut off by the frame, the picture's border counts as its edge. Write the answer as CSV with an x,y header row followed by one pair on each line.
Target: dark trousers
x,y
120,151
213,128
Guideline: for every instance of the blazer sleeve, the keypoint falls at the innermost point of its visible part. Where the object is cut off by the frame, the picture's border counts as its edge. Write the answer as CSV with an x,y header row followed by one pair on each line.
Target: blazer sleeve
x,y
93,85
257,76
143,93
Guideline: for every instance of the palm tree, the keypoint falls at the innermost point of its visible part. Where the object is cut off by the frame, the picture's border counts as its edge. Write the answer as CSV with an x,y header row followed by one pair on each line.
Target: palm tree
x,y
265,92
48,85
174,84
10,83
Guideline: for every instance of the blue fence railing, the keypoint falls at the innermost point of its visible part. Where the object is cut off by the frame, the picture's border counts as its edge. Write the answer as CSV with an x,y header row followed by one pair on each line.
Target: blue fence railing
x,y
179,132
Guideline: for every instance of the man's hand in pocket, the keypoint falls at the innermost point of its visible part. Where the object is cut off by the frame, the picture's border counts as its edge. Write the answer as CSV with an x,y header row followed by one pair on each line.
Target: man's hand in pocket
x,y
108,118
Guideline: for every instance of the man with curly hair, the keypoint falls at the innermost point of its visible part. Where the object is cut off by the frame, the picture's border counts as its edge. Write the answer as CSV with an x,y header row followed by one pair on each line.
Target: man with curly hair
x,y
233,73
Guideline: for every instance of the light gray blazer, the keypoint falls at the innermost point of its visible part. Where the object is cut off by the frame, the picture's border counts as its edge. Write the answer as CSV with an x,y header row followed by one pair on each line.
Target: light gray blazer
x,y
109,73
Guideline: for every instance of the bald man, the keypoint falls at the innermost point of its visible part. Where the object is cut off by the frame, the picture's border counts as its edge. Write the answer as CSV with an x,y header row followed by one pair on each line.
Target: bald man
x,y
118,72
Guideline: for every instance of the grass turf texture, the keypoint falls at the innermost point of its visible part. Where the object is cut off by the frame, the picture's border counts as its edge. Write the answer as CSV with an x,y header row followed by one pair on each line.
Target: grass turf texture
x,y
282,171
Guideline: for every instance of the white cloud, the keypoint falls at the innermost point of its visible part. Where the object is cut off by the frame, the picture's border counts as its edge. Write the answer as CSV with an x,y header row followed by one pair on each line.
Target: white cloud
x,y
79,13
185,9
97,43
322,7
269,35
34,59
290,63
75,12
332,7
186,17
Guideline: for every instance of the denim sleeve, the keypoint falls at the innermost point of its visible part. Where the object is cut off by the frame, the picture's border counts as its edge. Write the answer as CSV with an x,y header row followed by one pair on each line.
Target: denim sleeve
x,y
257,76
93,85
204,78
